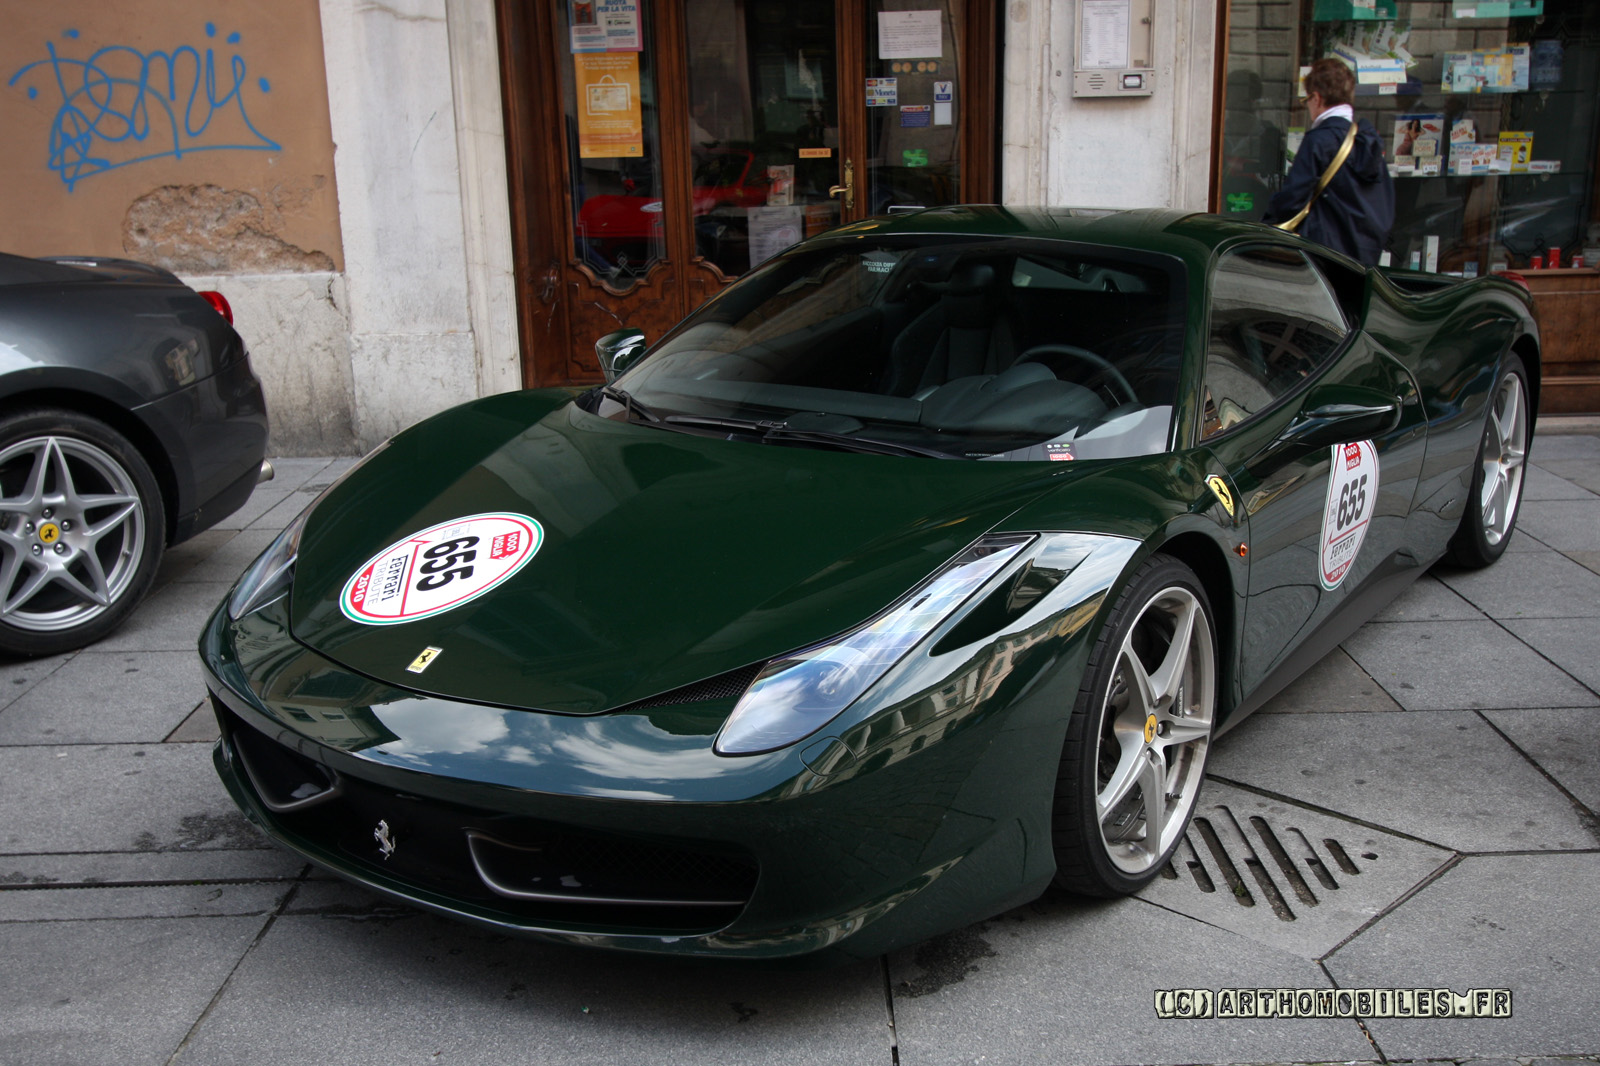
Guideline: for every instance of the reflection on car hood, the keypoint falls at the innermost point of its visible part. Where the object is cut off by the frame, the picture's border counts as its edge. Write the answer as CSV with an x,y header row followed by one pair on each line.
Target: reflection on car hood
x,y
666,558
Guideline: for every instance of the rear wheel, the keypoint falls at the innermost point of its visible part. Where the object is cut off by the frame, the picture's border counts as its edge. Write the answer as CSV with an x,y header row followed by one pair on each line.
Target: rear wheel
x,y
1140,732
81,530
1496,492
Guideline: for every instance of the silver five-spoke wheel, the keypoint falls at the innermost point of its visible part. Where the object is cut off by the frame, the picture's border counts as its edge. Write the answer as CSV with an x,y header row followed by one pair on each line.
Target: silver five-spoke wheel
x,y
1156,728
1136,746
1505,450
1490,515
78,535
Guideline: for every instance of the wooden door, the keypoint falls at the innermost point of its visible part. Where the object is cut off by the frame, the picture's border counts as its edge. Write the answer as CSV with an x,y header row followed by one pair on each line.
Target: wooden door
x,y
652,166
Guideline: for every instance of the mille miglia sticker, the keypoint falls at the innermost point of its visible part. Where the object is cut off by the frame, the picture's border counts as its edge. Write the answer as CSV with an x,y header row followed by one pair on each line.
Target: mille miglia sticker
x,y
1352,496
440,568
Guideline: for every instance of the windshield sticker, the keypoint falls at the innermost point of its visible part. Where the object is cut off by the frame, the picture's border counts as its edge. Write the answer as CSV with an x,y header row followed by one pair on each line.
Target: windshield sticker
x,y
1352,496
440,568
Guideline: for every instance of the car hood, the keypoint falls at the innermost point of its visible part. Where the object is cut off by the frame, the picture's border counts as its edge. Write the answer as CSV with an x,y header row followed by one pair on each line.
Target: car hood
x,y
665,559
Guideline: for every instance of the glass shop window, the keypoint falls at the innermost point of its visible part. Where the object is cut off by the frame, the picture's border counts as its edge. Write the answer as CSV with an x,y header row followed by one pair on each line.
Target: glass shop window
x,y
1489,111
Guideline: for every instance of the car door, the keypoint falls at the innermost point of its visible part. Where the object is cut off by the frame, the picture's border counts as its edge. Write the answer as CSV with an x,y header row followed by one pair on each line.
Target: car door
x,y
1321,435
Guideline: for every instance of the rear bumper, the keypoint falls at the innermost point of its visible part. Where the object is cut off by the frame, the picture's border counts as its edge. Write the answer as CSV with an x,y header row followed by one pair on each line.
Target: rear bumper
x,y
215,435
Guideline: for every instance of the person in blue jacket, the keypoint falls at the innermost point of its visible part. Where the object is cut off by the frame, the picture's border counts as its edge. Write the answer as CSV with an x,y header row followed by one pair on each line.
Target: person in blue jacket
x,y
1356,211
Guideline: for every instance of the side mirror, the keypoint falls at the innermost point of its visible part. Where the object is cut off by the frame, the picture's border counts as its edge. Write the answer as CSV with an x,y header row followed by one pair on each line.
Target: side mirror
x,y
1333,414
1337,414
618,351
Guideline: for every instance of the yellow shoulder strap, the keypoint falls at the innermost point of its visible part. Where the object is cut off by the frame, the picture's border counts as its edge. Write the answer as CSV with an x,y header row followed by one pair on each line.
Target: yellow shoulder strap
x,y
1327,175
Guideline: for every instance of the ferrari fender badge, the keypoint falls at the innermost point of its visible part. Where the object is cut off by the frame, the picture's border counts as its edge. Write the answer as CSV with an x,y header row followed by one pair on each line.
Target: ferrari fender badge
x,y
385,839
1219,489
422,661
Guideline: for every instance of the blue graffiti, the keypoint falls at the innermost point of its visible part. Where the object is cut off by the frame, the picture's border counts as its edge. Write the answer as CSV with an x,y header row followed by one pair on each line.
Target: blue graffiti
x,y
122,106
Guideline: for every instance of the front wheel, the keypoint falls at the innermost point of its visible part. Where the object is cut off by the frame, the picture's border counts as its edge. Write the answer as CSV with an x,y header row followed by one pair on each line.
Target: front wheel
x,y
81,530
1496,492
1136,746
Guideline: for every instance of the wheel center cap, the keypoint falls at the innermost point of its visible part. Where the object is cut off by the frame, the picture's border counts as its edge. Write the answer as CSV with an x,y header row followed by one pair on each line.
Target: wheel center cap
x,y
49,533
1150,729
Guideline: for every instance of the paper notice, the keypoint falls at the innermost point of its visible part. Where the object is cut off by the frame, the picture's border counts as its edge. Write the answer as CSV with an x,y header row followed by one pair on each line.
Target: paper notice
x,y
1105,34
910,35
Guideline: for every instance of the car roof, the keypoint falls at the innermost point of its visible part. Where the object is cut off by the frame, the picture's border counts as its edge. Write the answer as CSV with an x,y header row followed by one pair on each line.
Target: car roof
x,y
1190,235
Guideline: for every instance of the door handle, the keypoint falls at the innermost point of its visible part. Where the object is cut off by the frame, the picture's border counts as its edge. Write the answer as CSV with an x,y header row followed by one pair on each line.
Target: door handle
x,y
849,186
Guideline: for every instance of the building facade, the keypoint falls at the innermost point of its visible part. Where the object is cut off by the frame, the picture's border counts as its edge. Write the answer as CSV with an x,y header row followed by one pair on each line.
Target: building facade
x,y
418,202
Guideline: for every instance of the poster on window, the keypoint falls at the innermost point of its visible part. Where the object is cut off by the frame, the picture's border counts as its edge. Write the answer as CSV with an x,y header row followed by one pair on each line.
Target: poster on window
x,y
610,122
604,25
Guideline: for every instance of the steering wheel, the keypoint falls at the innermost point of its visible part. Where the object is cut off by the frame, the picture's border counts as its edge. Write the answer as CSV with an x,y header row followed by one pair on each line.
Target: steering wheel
x,y
1103,367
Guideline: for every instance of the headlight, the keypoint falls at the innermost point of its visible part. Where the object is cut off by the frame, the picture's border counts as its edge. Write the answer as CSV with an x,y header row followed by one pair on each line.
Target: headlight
x,y
273,571
271,574
797,694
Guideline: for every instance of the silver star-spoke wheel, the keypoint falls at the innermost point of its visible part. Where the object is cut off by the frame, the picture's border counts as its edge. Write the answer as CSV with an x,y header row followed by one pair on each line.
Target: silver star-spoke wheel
x,y
1137,744
1496,493
1505,450
80,530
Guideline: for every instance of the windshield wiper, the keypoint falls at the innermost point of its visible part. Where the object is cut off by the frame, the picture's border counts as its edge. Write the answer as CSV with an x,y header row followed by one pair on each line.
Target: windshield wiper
x,y
852,443
629,404
772,431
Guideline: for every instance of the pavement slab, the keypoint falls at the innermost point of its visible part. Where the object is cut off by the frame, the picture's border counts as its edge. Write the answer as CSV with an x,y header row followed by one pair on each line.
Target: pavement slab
x,y
1542,484
1548,446
1429,666
1336,683
1522,922
1529,585
1565,525
141,901
18,677
1585,473
149,867
1444,777
369,983
1069,982
1562,743
116,797
1430,600
229,560
1573,645
179,560
109,992
1285,876
105,697
170,620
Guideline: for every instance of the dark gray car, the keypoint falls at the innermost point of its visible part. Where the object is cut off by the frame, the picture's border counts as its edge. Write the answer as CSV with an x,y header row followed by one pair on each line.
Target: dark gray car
x,y
130,420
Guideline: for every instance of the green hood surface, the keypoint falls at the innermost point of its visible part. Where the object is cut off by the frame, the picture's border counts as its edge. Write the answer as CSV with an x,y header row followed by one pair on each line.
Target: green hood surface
x,y
666,559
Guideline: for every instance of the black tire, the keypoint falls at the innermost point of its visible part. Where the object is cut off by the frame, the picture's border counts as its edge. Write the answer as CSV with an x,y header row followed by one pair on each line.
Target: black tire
x,y
1107,856
1491,513
81,522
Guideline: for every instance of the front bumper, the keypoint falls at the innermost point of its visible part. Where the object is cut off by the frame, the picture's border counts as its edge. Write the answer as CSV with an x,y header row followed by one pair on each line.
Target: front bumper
x,y
625,830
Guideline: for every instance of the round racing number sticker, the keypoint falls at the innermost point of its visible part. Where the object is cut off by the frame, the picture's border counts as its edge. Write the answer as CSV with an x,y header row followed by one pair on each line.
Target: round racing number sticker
x,y
440,568
1352,496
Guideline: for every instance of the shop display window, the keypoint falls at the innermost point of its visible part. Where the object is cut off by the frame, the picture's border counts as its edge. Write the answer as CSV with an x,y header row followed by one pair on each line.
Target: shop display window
x,y
1489,112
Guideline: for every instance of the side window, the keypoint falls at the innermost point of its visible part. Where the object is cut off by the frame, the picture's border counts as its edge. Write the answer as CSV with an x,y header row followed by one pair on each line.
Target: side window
x,y
1273,323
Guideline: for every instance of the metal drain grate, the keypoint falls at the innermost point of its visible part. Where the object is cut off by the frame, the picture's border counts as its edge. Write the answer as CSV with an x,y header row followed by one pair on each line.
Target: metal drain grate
x,y
1283,875
1231,849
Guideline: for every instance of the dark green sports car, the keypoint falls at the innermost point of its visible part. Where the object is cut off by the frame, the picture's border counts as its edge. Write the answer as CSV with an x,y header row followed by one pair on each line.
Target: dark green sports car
x,y
914,572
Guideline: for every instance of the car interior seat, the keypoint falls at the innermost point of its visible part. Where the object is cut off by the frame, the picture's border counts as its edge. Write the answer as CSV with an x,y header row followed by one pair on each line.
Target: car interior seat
x,y
967,331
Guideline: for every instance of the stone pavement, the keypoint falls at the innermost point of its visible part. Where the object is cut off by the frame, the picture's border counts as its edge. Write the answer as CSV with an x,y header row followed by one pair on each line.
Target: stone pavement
x,y
1417,812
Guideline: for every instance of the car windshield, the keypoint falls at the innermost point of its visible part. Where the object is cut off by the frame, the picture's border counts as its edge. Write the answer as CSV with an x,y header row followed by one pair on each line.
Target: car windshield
x,y
967,349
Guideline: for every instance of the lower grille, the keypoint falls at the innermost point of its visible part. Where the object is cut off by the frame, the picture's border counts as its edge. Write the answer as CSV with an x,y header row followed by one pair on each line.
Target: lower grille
x,y
524,870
